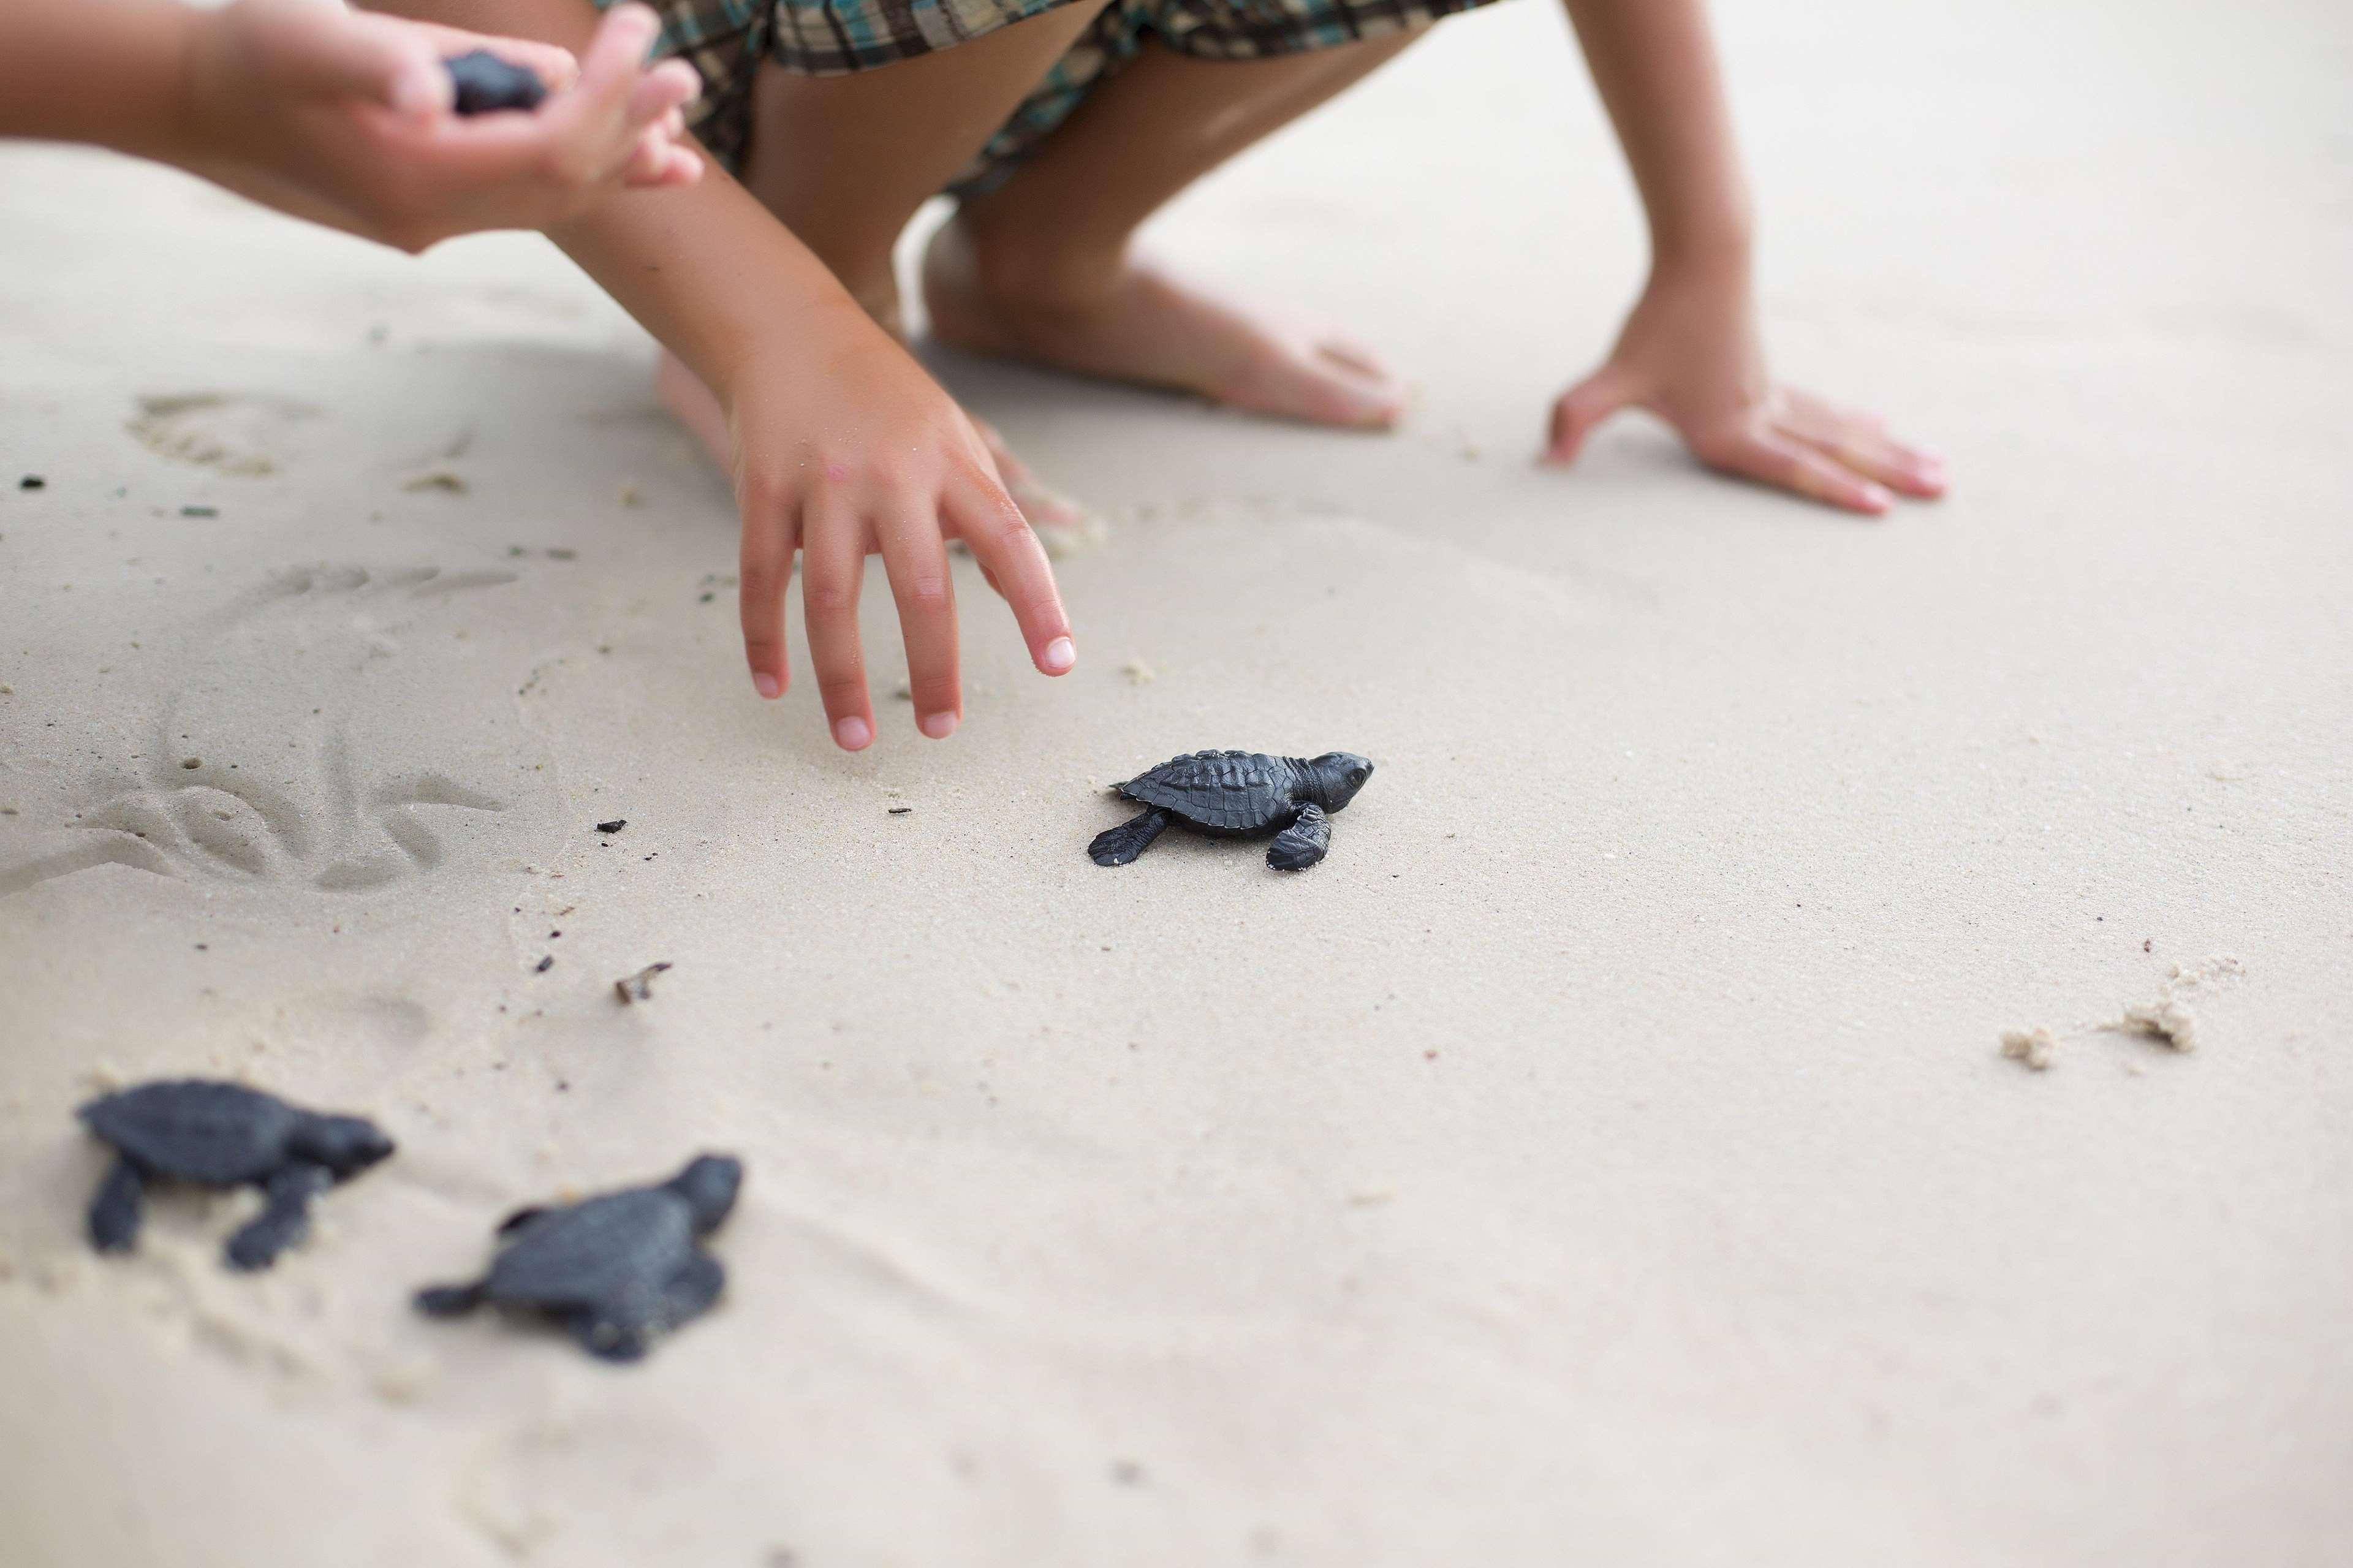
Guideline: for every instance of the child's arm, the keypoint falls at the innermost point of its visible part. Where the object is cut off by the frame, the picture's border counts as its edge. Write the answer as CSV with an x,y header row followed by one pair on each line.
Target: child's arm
x,y
345,118
843,446
1690,352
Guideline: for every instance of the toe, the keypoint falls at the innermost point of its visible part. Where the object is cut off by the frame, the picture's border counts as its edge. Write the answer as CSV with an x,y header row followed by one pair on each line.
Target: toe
x,y
1310,384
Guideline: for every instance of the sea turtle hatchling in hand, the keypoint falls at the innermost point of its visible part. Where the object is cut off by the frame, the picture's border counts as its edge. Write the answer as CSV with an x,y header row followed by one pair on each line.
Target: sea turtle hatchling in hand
x,y
223,1135
1239,794
617,1270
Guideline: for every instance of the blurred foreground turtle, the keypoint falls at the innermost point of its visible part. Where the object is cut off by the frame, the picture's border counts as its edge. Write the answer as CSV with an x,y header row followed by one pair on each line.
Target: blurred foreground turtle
x,y
1239,794
617,1270
223,1135
484,84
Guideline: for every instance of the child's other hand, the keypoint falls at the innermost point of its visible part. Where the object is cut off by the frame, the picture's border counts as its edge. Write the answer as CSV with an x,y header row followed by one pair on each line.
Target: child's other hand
x,y
1689,354
845,449
346,118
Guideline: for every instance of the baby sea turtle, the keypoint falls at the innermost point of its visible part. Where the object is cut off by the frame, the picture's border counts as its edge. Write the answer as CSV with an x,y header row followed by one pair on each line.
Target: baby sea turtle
x,y
485,83
223,1135
1239,794
616,1269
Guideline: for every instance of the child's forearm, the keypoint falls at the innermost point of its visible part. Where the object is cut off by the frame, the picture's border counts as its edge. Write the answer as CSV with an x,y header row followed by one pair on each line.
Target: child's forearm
x,y
1654,63
706,269
710,272
111,73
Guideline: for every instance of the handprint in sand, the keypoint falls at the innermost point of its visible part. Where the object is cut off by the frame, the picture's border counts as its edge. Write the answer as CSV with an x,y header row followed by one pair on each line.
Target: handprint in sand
x,y
332,727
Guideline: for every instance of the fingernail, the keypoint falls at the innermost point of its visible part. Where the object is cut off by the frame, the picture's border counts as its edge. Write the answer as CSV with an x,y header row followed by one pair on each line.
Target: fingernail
x,y
852,735
1877,500
765,685
1059,654
938,726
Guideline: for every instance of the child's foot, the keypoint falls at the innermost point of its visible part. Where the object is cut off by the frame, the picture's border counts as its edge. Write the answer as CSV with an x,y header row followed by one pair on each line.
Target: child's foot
x,y
696,407
1125,321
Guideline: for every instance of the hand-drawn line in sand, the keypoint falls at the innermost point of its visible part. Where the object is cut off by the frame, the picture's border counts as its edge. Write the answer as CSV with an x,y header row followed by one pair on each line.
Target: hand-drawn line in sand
x,y
2169,1018
317,584
186,815
234,433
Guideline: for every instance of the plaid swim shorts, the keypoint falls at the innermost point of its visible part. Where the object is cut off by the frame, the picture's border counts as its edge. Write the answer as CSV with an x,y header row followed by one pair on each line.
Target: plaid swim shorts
x,y
727,40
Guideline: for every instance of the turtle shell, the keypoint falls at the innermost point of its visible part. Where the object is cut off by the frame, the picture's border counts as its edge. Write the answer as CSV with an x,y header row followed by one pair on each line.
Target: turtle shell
x,y
619,1248
219,1134
1220,792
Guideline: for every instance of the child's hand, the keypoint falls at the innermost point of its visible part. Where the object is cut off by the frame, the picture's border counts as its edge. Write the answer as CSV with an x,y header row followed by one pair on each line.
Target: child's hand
x,y
1689,354
844,447
346,118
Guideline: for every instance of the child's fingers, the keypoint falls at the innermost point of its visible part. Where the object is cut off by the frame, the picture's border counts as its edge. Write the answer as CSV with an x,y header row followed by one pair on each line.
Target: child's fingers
x,y
374,58
1862,444
553,64
1582,407
833,564
1772,459
661,92
647,160
1875,457
610,70
765,571
917,562
1002,541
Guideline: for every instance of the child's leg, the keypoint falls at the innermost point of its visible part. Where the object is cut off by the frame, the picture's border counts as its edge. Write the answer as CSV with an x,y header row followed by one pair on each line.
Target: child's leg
x,y
1040,267
844,161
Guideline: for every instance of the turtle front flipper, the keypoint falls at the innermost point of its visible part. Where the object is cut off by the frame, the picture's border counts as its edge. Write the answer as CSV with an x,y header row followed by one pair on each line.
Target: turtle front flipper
x,y
691,1291
1302,843
115,1211
519,1218
286,1218
448,1300
1118,845
609,1336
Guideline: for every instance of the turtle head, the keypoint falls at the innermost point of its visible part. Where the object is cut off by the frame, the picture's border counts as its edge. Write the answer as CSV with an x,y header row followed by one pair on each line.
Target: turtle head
x,y
708,1184
344,1144
1335,778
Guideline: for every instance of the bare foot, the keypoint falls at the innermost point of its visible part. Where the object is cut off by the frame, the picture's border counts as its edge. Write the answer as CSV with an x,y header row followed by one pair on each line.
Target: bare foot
x,y
1126,320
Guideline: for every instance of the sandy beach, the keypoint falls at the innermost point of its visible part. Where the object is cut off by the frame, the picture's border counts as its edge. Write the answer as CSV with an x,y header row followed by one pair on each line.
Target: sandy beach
x,y
1606,1156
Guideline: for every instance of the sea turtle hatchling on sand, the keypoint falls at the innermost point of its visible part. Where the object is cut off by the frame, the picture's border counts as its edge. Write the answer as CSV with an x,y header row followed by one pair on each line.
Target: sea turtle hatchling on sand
x,y
1239,794
223,1135
617,1270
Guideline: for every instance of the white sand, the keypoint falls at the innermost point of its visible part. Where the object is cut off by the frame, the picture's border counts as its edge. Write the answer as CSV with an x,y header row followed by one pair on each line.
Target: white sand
x,y
1600,1158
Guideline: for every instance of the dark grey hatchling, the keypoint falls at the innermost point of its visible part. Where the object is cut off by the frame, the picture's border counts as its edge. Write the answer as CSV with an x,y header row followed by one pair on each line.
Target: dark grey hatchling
x,y
223,1135
617,1270
1239,794
481,83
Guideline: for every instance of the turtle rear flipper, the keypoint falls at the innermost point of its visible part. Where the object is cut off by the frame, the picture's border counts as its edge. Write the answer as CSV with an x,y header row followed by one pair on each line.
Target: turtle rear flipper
x,y
1118,845
114,1212
285,1221
1302,843
448,1300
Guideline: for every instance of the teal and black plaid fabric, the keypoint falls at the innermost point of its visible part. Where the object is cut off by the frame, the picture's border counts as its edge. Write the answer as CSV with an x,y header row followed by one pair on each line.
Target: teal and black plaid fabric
x,y
727,39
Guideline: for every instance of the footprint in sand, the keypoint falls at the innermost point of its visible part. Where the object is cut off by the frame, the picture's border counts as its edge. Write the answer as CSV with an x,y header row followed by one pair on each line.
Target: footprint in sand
x,y
291,752
249,435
